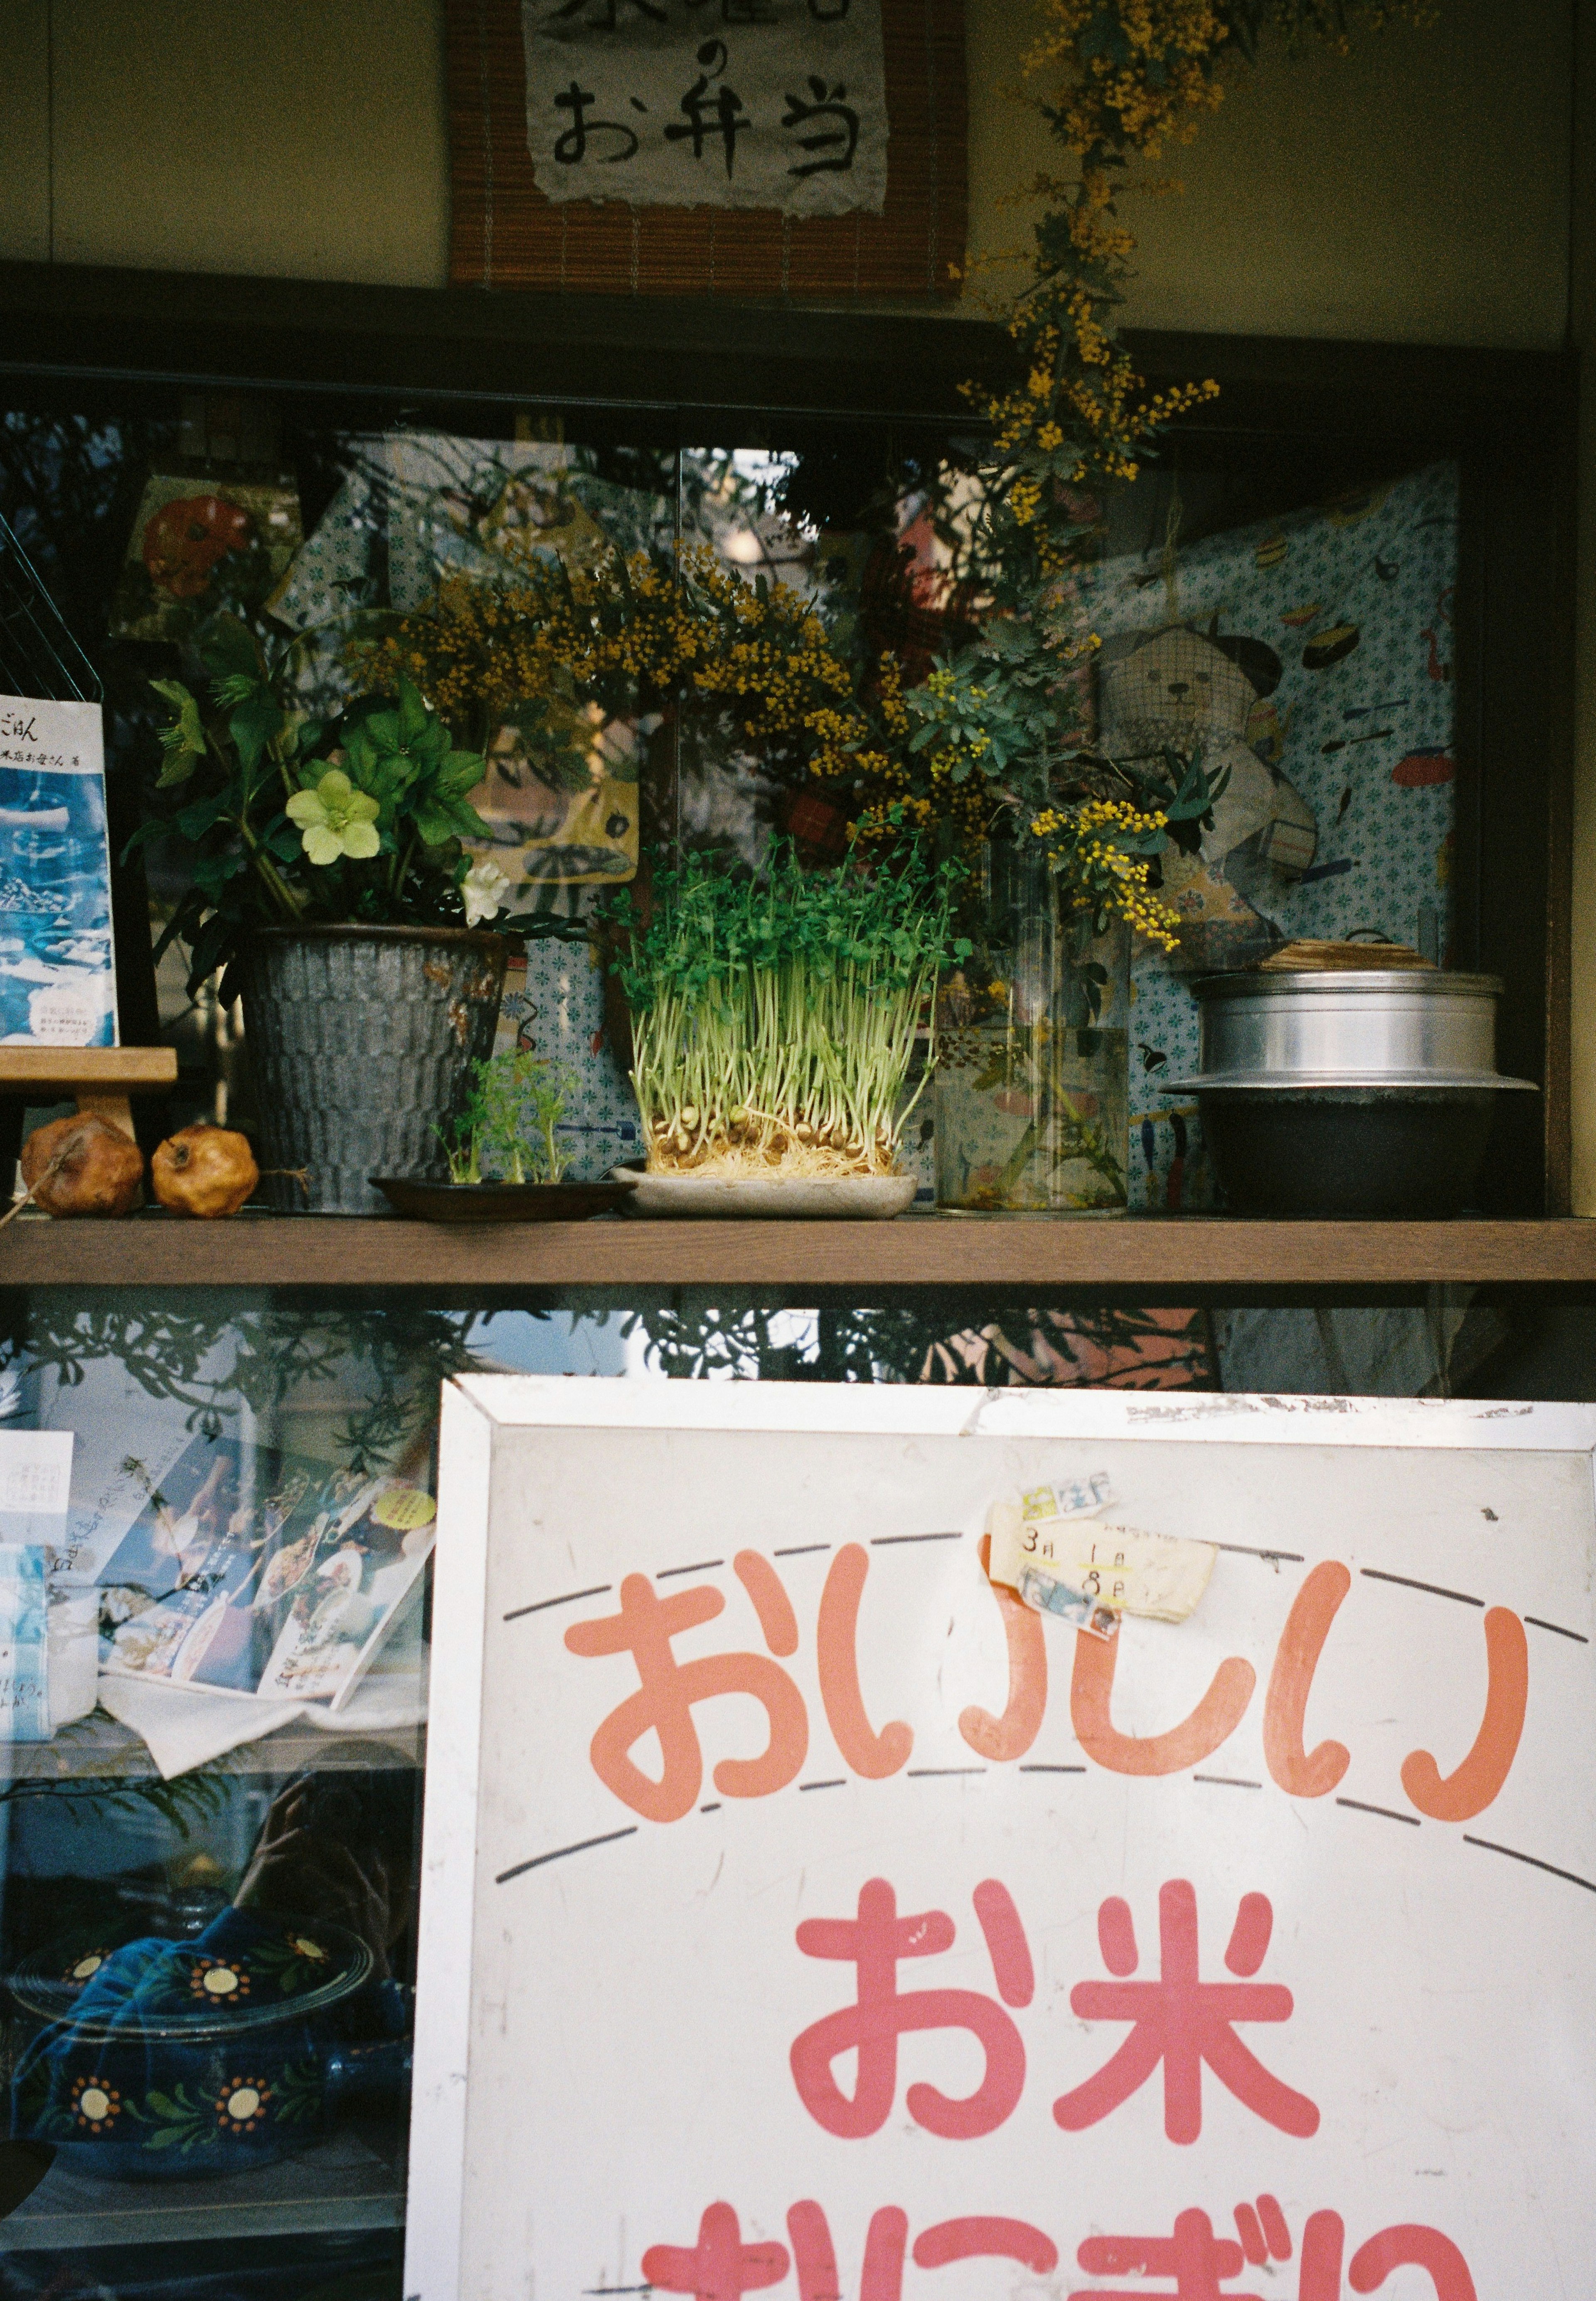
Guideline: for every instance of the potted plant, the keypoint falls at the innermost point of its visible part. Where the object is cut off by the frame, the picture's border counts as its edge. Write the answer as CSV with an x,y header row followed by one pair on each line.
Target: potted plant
x,y
506,1132
331,890
773,1025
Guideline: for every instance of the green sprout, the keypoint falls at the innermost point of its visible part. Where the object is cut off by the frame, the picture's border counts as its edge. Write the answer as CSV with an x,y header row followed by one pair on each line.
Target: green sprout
x,y
506,1132
775,1020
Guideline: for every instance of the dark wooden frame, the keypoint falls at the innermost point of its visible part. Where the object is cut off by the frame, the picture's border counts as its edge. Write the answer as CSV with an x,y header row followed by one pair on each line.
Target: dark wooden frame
x,y
1305,413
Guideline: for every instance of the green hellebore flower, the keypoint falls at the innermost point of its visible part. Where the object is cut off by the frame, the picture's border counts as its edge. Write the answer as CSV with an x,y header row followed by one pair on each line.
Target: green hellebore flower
x,y
335,819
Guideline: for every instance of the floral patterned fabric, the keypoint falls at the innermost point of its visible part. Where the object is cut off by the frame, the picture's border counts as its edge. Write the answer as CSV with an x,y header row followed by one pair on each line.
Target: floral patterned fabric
x,y
1353,602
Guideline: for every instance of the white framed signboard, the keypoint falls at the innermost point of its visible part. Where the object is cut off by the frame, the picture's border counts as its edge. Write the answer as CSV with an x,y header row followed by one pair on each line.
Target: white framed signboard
x,y
801,1913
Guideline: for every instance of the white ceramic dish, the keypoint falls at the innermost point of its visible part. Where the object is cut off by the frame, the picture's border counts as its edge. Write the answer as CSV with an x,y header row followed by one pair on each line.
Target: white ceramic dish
x,y
830,1198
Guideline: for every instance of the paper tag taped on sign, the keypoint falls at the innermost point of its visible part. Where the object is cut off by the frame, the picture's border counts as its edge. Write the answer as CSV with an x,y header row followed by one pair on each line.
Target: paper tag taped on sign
x,y
1158,1574
1045,1594
1045,1509
1068,1498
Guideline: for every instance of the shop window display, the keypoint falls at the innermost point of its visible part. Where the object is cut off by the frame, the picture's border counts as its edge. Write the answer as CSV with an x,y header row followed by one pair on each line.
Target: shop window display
x,y
239,1804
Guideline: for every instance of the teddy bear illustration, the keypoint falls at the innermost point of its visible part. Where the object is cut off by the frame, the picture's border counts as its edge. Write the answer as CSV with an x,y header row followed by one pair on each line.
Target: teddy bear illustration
x,y
1179,687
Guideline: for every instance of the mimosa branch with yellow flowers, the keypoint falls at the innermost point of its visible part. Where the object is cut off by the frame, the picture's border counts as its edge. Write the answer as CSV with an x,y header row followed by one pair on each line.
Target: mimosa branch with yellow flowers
x,y
997,739
1001,739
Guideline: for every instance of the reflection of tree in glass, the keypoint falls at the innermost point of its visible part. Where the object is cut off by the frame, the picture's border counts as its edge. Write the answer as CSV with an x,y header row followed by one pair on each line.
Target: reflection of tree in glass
x,y
938,1335
462,499
70,486
398,1354
186,1803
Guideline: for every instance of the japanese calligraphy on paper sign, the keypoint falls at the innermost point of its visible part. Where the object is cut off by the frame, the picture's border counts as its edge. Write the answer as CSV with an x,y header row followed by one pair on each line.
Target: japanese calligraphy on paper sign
x,y
731,104
841,1926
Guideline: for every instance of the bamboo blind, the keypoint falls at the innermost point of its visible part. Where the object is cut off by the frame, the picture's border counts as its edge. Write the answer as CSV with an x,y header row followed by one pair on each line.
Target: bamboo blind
x,y
506,234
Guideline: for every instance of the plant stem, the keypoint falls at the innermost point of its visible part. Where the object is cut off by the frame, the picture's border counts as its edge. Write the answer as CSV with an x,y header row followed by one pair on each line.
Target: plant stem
x,y
289,900
401,866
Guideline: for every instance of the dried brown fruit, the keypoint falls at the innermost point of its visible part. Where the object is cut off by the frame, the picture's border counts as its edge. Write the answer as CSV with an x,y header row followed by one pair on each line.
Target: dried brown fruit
x,y
82,1166
204,1170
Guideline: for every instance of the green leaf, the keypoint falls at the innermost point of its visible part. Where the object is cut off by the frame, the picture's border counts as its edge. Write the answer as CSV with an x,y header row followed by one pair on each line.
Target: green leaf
x,y
472,825
184,741
181,927
462,772
153,827
209,947
413,713
381,730
212,873
435,823
253,725
193,821
228,650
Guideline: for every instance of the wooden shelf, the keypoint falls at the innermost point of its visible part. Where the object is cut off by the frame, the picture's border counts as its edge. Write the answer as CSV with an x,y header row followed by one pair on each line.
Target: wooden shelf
x,y
48,1073
98,1749
1159,1255
101,1078
353,2181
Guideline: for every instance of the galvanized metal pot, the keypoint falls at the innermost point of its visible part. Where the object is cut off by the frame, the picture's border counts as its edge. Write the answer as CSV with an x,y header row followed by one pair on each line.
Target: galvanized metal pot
x,y
1357,1091
361,1044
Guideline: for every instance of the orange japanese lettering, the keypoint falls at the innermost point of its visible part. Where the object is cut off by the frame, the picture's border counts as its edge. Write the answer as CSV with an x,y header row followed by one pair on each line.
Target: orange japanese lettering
x,y
777,1621
1001,1739
1213,1721
667,1693
1460,1796
874,1755
1304,1773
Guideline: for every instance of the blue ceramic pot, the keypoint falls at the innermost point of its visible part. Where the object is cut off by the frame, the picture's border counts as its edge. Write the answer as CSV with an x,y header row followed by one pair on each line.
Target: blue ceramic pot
x,y
164,2058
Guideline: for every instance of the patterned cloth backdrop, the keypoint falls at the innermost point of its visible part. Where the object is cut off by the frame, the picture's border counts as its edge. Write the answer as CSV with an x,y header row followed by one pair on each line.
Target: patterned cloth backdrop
x,y
554,1007
1340,621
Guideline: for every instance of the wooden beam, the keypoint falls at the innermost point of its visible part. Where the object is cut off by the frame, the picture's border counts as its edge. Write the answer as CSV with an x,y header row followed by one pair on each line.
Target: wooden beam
x,y
1041,1254
58,1071
102,1078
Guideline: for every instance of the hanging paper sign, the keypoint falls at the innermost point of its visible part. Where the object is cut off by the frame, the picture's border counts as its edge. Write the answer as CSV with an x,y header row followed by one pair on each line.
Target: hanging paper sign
x,y
803,1913
730,104
57,976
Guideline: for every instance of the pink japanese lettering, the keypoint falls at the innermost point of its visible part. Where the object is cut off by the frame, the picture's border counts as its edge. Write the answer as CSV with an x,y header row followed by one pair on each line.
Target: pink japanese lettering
x,y
720,2267
874,1942
1182,2021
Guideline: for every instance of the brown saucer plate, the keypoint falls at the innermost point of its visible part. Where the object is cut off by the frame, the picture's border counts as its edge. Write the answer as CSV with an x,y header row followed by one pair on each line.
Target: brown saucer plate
x,y
497,1202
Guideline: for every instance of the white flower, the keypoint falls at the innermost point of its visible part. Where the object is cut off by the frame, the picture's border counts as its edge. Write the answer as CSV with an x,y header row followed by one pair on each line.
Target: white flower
x,y
483,891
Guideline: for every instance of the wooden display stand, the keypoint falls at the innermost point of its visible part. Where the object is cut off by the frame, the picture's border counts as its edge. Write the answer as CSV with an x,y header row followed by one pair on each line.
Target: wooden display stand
x,y
103,1079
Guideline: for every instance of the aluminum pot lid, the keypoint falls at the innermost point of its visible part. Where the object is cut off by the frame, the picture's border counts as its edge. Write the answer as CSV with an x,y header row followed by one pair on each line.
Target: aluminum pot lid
x,y
1434,983
1337,1082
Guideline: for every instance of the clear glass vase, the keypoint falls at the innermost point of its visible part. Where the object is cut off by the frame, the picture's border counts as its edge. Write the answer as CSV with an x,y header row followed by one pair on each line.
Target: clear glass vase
x,y
1032,1088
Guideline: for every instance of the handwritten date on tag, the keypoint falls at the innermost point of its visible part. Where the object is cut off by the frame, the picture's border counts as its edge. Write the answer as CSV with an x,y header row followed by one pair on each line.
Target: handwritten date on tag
x,y
1026,1527
1158,1574
1033,1525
